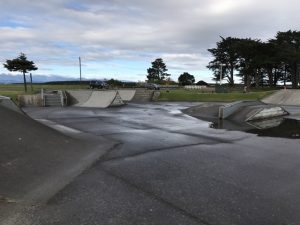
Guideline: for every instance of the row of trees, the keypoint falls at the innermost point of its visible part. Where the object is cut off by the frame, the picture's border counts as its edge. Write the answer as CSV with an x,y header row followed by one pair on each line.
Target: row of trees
x,y
258,63
255,62
157,73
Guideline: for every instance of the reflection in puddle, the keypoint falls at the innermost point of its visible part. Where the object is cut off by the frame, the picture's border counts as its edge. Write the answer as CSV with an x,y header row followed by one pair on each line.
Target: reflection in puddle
x,y
275,127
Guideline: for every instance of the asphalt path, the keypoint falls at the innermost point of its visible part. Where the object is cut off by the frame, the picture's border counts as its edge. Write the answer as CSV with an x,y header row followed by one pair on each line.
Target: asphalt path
x,y
169,168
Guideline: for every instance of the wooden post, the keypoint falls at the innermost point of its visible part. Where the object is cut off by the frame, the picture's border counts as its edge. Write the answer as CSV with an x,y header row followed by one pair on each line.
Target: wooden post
x,y
31,82
80,69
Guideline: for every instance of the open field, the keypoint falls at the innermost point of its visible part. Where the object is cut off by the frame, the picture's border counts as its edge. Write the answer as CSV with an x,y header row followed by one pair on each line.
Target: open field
x,y
197,96
13,90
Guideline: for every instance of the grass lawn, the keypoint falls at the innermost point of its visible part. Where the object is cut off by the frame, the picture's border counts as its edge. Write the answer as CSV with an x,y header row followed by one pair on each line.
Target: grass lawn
x,y
13,90
197,96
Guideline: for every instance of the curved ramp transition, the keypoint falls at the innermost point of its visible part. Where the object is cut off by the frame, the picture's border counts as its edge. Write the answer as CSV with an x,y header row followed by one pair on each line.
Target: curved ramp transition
x,y
127,95
97,99
78,96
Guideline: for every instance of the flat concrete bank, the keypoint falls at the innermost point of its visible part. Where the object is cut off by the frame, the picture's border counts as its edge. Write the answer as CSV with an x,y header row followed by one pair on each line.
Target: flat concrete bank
x,y
173,169
289,97
37,161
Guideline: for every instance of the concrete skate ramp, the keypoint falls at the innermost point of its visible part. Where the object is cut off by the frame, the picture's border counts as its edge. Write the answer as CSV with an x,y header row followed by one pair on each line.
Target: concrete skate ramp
x,y
284,97
127,95
37,161
102,99
143,95
240,111
78,97
257,112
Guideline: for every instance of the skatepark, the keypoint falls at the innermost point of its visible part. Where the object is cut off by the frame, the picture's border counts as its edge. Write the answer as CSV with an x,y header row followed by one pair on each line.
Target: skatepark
x,y
116,158
88,98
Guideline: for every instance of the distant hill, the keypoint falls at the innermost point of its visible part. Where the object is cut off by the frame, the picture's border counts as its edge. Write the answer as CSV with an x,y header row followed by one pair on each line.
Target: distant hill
x,y
10,79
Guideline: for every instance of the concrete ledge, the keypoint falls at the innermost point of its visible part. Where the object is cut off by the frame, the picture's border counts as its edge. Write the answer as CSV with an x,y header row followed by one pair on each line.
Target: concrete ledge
x,y
30,100
229,109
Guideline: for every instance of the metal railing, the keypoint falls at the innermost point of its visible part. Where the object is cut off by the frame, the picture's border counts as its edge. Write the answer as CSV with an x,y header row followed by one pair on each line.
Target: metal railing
x,y
43,97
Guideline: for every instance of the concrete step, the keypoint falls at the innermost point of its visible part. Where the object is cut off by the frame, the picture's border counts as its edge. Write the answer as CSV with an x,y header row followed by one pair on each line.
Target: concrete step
x,y
52,104
52,100
143,95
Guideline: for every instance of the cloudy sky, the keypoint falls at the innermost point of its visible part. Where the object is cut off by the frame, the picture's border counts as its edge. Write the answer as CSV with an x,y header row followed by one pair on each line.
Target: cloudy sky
x,y
119,38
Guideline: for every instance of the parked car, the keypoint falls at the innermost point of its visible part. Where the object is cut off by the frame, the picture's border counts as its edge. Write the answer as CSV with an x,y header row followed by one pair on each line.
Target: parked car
x,y
98,84
152,86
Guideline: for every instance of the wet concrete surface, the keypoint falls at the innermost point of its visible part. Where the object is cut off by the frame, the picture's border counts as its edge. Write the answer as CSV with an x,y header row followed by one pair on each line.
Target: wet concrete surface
x,y
273,127
171,168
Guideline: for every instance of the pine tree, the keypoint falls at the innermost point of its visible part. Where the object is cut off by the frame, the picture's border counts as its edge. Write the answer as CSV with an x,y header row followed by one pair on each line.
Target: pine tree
x,y
20,64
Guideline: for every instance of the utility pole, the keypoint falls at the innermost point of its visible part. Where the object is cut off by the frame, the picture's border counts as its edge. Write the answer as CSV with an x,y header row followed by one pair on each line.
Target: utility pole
x,y
220,64
80,68
221,71
221,68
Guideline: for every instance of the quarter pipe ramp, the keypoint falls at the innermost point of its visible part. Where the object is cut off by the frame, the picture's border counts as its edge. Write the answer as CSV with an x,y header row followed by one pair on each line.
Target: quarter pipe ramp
x,y
97,99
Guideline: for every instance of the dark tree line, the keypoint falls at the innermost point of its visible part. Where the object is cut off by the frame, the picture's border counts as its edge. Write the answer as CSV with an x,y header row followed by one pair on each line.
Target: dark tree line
x,y
157,73
186,79
258,63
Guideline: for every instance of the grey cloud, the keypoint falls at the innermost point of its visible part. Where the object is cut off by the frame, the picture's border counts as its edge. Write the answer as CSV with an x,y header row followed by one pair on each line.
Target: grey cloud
x,y
137,30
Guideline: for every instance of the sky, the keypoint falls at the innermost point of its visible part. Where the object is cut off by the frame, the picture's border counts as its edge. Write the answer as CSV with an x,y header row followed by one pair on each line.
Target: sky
x,y
120,38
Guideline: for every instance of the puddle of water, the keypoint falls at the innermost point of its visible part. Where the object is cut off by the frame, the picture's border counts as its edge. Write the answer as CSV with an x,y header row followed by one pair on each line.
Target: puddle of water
x,y
6,200
275,127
